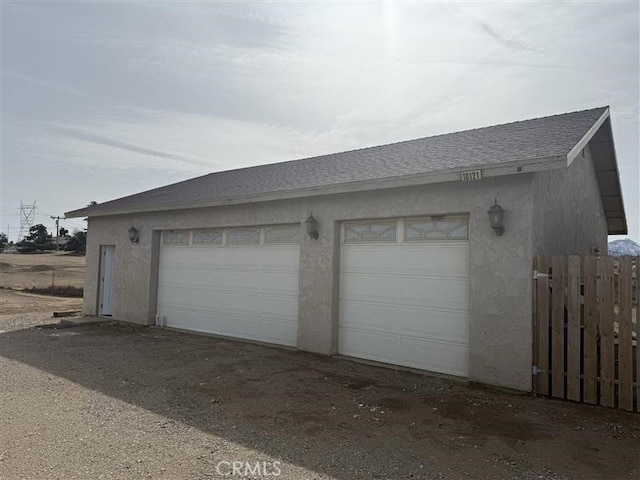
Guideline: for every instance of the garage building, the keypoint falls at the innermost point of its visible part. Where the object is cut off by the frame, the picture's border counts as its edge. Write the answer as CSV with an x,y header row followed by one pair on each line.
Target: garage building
x,y
386,254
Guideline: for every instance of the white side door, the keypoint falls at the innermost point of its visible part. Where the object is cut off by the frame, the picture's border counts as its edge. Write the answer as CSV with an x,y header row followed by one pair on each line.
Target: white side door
x,y
107,264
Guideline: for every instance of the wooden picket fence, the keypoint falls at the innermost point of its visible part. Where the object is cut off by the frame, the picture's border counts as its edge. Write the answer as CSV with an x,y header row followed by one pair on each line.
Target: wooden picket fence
x,y
587,330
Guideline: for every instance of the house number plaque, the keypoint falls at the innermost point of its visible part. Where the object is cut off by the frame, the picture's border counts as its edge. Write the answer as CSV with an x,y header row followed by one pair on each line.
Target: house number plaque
x,y
471,175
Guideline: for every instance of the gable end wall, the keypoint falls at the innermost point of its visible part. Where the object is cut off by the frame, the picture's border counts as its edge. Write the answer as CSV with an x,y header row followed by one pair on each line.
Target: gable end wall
x,y
568,216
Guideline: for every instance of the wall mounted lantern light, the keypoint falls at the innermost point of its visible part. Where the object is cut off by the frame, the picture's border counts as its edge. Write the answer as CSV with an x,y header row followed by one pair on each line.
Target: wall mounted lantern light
x,y
133,234
312,227
496,216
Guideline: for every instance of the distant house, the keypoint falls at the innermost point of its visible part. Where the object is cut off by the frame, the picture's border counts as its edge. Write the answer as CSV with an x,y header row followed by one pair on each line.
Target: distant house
x,y
63,240
384,253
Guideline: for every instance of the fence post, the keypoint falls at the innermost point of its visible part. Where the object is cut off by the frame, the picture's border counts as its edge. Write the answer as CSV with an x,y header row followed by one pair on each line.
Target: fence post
x,y
541,351
625,336
607,347
573,329
557,328
591,322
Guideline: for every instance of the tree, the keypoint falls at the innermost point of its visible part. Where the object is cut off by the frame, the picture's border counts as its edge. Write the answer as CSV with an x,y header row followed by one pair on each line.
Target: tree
x,y
77,243
39,235
63,232
3,240
38,239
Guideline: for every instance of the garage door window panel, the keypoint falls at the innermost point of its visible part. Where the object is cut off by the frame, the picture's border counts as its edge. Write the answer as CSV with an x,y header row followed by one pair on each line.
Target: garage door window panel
x,y
436,228
282,235
370,232
174,238
205,238
243,236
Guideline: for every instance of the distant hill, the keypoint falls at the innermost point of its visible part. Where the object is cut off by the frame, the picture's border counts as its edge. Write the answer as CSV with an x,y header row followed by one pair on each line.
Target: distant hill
x,y
625,246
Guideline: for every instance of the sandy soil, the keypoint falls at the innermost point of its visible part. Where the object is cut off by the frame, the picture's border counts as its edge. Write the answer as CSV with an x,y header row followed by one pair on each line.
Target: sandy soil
x,y
110,401
41,269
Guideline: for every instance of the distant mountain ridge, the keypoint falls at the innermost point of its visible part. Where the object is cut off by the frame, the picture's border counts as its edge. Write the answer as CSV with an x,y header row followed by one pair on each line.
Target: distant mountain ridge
x,y
622,247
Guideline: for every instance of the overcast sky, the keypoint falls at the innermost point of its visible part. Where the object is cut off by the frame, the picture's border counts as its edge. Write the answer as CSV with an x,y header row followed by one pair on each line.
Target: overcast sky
x,y
102,100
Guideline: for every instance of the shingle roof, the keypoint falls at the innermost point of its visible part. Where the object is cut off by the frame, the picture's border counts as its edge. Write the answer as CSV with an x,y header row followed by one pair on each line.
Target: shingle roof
x,y
535,139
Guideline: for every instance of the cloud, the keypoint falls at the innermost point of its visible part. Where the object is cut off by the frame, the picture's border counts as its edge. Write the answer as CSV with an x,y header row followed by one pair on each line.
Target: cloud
x,y
149,142
48,84
161,91
493,29
102,140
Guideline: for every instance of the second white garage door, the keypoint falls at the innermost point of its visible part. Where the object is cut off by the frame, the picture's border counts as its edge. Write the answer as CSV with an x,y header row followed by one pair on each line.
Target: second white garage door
x,y
238,282
404,289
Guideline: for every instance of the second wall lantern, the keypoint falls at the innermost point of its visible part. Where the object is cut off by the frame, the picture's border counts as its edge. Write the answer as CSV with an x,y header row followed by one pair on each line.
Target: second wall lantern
x,y
496,217
133,234
312,227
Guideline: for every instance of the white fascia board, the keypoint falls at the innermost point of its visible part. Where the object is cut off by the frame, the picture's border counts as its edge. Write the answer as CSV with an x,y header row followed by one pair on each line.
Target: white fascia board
x,y
575,151
491,170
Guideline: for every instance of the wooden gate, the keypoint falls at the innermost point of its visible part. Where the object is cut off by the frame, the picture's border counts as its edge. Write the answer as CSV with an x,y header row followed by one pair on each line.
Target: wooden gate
x,y
587,330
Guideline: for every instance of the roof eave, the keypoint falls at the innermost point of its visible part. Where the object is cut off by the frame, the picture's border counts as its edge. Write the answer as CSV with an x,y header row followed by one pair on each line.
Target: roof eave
x,y
605,162
584,141
441,176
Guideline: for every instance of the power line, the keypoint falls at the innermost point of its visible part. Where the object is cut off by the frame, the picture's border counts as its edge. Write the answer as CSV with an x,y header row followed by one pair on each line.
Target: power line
x,y
73,221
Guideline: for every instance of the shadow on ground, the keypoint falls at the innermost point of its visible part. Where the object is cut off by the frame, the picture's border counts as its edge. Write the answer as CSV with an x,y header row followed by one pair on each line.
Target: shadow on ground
x,y
332,416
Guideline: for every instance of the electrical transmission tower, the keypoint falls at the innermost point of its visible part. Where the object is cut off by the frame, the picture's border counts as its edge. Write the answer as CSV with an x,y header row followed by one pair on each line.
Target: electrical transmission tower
x,y
27,217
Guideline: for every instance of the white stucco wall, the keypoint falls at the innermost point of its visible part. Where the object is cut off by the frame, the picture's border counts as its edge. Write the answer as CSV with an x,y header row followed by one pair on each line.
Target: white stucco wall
x,y
500,267
569,217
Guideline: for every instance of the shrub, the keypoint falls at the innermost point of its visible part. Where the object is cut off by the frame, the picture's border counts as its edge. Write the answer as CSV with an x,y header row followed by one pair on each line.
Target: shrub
x,y
57,291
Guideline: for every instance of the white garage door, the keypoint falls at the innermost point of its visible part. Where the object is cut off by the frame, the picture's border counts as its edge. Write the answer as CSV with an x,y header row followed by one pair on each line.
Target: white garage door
x,y
237,282
404,289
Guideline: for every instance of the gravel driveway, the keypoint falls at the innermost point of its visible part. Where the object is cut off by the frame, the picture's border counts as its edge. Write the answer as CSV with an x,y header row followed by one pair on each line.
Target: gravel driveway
x,y
107,401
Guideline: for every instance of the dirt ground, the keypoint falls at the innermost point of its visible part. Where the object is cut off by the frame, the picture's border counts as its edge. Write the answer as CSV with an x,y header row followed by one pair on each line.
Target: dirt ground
x,y
111,401
22,270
